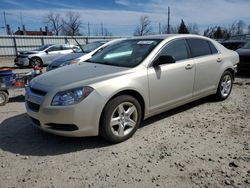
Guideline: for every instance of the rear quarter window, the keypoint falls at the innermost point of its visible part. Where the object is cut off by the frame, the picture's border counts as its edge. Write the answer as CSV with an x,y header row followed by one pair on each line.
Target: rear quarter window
x,y
199,47
212,47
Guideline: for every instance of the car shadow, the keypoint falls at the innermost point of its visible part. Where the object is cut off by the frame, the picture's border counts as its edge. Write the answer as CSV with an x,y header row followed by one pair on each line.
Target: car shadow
x,y
245,75
19,98
169,113
19,136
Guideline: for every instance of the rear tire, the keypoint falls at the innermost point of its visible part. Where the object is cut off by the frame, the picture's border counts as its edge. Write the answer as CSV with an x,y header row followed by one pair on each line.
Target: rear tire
x,y
120,119
36,61
225,86
4,98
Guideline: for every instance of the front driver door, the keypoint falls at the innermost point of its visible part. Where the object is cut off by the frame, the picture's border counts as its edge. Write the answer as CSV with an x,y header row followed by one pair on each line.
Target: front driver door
x,y
172,84
52,53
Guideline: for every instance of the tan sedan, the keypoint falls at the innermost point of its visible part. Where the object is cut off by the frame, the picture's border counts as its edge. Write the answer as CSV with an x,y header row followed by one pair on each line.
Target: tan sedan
x,y
110,94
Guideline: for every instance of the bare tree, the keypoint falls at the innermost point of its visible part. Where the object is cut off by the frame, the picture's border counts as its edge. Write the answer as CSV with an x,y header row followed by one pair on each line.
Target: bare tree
x,y
106,32
54,22
72,24
193,28
236,28
144,28
99,32
173,29
217,32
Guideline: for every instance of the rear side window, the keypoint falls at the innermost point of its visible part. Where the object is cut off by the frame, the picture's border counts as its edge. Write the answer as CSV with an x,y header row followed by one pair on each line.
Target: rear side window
x,y
199,47
177,49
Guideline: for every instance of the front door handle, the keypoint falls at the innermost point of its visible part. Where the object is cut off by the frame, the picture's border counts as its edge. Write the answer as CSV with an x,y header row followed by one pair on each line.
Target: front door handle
x,y
189,66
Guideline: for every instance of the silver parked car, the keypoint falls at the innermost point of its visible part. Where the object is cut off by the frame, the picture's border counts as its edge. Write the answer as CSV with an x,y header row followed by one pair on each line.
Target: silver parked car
x,y
43,55
111,93
81,54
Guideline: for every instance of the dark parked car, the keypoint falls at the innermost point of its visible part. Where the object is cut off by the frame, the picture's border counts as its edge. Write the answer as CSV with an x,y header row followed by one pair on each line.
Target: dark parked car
x,y
244,53
69,58
233,44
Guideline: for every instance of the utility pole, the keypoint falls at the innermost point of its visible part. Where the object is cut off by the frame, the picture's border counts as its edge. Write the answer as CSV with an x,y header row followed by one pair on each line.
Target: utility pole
x,y
102,28
159,28
168,20
5,23
88,30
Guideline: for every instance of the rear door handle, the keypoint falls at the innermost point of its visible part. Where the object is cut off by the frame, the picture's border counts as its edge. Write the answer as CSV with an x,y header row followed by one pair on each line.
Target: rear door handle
x,y
219,60
189,66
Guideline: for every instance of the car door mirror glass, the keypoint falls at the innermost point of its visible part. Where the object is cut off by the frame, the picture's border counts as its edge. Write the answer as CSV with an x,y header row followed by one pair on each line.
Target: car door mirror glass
x,y
164,60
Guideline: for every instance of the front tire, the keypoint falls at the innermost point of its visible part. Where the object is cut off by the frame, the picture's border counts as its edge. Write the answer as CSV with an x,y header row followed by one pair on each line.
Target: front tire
x,y
36,61
120,119
225,86
4,98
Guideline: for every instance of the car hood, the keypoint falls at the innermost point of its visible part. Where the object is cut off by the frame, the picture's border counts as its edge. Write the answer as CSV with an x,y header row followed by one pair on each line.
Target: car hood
x,y
68,57
84,73
243,52
28,52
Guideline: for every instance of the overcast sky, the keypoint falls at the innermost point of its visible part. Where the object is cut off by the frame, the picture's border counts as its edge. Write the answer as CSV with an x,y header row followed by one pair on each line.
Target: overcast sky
x,y
122,16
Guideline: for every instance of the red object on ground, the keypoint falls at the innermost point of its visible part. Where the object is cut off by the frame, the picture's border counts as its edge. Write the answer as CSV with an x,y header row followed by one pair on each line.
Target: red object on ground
x,y
19,83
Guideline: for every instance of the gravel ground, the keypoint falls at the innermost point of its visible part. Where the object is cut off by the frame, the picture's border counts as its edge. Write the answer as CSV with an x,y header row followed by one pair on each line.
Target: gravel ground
x,y
202,144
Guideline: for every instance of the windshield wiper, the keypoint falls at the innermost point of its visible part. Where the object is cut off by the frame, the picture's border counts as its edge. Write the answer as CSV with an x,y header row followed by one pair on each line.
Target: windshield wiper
x,y
103,63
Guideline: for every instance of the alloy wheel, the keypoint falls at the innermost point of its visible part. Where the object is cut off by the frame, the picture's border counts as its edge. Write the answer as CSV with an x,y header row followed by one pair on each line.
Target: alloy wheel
x,y
123,119
226,85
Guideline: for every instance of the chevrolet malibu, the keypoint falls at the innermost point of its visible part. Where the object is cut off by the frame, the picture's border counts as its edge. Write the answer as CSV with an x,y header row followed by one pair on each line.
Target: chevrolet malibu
x,y
127,82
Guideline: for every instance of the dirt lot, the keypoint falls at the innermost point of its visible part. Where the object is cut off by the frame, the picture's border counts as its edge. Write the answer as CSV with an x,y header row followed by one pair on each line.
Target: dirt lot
x,y
202,144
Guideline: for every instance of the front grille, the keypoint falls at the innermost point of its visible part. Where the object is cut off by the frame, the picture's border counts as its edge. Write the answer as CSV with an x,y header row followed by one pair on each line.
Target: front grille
x,y
62,127
33,106
35,121
38,92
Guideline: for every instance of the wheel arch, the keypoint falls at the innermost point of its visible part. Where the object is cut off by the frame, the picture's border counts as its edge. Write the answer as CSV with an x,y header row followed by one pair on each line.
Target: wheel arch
x,y
231,71
35,57
132,93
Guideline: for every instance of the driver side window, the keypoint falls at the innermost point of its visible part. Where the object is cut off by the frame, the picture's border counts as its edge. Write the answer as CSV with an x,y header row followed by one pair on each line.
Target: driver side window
x,y
55,48
177,49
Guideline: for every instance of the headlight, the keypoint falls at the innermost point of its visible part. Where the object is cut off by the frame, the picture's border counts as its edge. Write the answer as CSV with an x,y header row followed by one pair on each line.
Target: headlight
x,y
72,96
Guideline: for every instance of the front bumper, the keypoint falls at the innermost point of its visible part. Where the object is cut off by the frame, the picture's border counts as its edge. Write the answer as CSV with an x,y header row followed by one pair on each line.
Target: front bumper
x,y
77,120
22,61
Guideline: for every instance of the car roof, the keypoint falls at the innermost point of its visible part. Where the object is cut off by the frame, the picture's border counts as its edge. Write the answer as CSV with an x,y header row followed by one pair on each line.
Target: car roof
x,y
165,36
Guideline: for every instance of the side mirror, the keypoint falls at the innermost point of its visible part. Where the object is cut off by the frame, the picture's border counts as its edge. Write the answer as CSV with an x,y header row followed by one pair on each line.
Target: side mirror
x,y
46,51
166,59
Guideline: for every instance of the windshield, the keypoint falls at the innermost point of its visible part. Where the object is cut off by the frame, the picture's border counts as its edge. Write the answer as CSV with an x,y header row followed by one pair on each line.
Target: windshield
x,y
90,47
42,47
127,53
247,45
